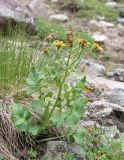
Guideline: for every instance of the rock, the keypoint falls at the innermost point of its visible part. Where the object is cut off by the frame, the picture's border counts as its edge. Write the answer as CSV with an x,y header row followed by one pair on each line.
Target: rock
x,y
99,38
113,4
100,25
105,84
118,75
38,8
60,150
13,11
103,104
116,96
121,20
59,17
92,69
88,123
103,113
23,12
106,24
109,132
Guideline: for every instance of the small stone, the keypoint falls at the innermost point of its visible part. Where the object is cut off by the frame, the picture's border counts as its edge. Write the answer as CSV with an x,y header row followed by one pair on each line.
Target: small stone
x,y
58,149
92,69
105,84
110,132
99,38
59,17
116,96
104,112
113,4
87,123
121,20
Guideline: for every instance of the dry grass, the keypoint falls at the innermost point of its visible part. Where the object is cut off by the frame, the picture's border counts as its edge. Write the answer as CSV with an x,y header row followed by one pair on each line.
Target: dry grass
x,y
13,144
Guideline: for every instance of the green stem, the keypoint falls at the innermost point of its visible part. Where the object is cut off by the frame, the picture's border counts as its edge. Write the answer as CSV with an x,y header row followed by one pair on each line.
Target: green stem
x,y
61,85
52,138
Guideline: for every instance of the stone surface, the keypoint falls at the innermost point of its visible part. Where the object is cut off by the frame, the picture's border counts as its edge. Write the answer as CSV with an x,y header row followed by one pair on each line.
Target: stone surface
x,y
118,75
104,113
113,4
92,69
38,8
105,84
121,20
101,25
59,17
14,11
23,12
99,38
116,96
59,150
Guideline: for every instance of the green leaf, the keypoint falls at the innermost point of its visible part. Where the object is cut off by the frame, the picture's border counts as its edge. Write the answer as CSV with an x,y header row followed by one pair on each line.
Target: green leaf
x,y
57,120
34,77
32,153
34,129
31,90
21,117
80,135
49,94
37,104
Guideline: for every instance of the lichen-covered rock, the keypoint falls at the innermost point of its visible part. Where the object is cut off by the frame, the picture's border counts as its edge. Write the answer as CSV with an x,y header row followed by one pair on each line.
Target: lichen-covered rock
x,y
61,150
93,69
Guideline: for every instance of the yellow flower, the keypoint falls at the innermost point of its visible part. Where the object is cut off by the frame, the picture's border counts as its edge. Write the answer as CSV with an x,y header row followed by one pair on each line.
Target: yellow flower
x,y
82,42
51,37
54,35
45,50
59,44
97,46
88,89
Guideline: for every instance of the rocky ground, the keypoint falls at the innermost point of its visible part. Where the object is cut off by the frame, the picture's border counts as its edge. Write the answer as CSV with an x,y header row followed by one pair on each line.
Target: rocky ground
x,y
105,74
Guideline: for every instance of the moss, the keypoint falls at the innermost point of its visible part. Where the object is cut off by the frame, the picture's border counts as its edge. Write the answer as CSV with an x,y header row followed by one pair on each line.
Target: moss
x,y
93,8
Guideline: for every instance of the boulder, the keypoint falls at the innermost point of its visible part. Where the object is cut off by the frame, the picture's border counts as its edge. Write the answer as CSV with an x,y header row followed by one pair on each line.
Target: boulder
x,y
116,96
61,150
38,8
12,10
59,17
99,38
121,20
23,12
105,84
118,75
93,69
113,4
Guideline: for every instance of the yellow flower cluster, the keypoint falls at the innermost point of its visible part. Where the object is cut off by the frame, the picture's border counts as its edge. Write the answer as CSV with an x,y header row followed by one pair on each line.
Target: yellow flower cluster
x,y
59,44
69,42
97,46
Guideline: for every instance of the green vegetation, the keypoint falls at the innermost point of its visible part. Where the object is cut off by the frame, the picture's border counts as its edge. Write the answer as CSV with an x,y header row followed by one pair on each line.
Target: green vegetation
x,y
46,27
93,8
58,102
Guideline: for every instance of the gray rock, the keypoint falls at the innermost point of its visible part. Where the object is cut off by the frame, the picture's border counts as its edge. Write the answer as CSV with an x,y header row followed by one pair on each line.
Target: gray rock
x,y
116,96
99,38
113,4
38,9
56,150
118,75
109,132
13,10
93,69
23,12
101,25
59,17
105,84
121,20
